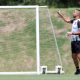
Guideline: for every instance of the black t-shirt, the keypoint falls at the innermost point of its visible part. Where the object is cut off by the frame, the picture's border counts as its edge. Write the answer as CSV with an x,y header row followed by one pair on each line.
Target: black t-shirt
x,y
78,24
72,20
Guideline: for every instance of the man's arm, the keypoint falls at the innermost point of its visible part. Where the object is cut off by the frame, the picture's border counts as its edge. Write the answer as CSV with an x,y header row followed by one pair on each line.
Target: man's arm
x,y
73,33
66,19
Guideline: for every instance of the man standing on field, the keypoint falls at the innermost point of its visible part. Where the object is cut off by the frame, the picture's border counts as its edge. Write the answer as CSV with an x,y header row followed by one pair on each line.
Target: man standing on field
x,y
75,37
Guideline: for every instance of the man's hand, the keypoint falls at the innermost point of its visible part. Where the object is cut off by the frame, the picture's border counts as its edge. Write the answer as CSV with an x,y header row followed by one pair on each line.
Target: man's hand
x,y
58,12
60,15
69,33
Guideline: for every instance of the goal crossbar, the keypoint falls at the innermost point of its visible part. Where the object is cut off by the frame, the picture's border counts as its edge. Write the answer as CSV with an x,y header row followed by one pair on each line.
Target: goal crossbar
x,y
3,7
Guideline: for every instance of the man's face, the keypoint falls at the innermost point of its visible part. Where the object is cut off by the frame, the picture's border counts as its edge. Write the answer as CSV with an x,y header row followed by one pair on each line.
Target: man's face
x,y
75,13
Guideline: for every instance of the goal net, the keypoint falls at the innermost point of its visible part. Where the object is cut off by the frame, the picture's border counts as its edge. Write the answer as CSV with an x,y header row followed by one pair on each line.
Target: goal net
x,y
27,40
19,39
49,50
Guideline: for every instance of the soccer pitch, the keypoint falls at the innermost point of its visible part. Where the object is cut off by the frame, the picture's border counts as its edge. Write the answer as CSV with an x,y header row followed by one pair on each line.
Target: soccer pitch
x,y
40,77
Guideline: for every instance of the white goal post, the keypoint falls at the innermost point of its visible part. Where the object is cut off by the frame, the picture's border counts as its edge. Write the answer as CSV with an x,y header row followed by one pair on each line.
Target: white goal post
x,y
37,41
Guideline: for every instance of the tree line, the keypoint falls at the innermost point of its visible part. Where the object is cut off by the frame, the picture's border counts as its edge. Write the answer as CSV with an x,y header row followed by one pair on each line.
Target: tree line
x,y
54,3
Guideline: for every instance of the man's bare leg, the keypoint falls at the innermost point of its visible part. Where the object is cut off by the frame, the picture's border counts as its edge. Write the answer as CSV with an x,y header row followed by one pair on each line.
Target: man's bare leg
x,y
78,55
76,62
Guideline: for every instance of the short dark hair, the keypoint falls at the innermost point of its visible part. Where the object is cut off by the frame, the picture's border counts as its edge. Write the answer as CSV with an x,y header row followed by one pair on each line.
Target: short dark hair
x,y
78,9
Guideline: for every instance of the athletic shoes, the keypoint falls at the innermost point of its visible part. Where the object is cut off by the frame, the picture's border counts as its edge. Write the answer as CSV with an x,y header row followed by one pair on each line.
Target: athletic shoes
x,y
77,72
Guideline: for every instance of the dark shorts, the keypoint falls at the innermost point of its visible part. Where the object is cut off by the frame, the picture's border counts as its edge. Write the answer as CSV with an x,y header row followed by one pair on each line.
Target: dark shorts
x,y
75,47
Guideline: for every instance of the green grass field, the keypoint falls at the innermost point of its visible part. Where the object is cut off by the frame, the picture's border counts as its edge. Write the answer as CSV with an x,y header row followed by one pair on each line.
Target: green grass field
x,y
40,77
